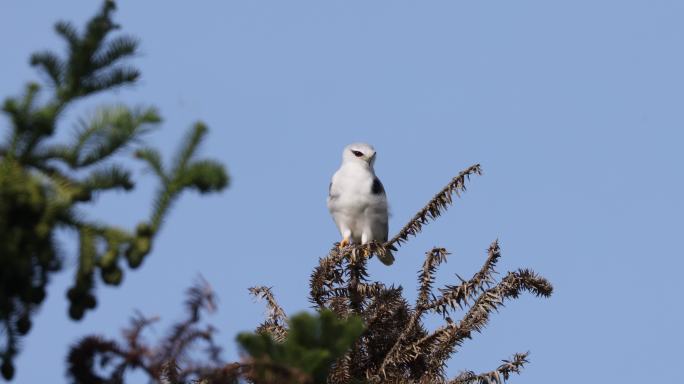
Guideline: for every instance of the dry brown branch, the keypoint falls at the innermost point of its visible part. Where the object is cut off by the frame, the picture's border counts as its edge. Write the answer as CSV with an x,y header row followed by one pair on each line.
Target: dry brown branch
x,y
433,259
425,279
499,375
275,323
441,343
170,359
200,296
327,274
436,206
340,372
458,295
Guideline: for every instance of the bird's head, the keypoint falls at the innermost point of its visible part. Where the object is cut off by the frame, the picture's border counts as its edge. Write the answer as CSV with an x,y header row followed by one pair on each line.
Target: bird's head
x,y
359,153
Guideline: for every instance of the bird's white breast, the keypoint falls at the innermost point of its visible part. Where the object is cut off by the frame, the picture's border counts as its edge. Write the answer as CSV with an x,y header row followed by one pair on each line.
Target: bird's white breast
x,y
351,185
352,204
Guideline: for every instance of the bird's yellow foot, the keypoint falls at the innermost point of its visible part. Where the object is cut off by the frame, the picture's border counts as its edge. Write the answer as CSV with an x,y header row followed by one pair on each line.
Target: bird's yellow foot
x,y
344,243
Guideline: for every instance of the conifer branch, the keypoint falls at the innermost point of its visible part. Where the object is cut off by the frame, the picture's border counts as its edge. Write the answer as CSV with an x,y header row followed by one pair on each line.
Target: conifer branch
x,y
442,342
356,275
110,130
426,277
202,175
82,358
327,274
504,371
188,147
109,177
68,32
109,79
51,64
435,207
170,357
458,295
153,159
433,259
119,48
274,325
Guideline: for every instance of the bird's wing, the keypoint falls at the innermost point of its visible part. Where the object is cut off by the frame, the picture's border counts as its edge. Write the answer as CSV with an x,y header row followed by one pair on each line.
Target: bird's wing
x,y
333,187
380,219
380,222
377,188
380,229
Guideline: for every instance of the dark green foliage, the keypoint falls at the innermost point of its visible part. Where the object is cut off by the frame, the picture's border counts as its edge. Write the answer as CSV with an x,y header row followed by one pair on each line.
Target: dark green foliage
x,y
45,185
312,345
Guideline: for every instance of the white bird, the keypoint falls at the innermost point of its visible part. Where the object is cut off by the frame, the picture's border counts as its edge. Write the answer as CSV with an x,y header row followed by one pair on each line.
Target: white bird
x,y
357,200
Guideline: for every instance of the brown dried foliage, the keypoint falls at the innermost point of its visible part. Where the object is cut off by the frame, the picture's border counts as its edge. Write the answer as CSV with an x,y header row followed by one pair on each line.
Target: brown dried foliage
x,y
275,323
395,346
95,359
499,375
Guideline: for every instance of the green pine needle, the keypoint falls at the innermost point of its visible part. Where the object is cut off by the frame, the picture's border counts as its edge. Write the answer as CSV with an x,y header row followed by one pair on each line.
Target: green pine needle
x,y
111,177
49,63
109,130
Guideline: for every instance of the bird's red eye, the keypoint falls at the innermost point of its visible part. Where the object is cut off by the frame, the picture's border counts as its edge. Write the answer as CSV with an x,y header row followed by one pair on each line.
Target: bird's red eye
x,y
357,153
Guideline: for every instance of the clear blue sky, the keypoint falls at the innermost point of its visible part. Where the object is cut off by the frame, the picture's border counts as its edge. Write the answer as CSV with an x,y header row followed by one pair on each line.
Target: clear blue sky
x,y
574,110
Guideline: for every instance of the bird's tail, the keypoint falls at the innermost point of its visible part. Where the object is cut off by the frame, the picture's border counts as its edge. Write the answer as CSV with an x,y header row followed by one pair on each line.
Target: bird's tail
x,y
387,258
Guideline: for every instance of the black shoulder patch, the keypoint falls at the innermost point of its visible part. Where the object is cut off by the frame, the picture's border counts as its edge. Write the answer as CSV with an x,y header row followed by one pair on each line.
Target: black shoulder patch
x,y
377,188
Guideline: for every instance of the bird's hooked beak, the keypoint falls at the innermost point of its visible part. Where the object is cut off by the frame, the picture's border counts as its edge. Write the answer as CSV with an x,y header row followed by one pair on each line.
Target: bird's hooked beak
x,y
371,159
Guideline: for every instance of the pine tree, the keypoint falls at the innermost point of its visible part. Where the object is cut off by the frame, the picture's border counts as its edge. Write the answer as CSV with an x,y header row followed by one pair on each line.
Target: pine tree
x,y
46,185
394,346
